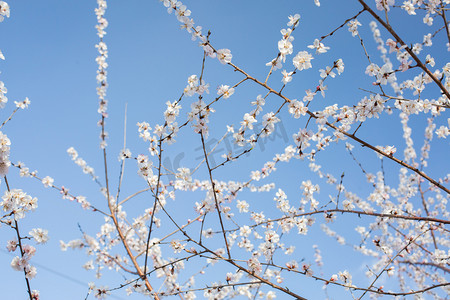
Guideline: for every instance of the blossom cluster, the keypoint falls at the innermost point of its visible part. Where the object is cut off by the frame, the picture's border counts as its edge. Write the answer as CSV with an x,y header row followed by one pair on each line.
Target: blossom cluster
x,y
81,163
18,203
247,123
199,117
285,46
353,27
3,98
5,144
195,86
183,16
102,66
23,263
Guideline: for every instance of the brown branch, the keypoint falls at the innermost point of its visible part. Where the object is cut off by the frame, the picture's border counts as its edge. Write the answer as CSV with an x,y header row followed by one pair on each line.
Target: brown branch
x,y
445,21
215,195
445,269
9,118
342,25
133,195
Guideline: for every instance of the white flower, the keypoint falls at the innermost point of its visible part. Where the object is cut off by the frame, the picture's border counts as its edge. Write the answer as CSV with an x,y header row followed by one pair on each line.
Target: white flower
x,y
390,150
428,20
23,104
40,235
372,69
302,136
297,108
224,56
440,257
320,48
275,63
385,74
430,60
101,292
35,294
193,80
427,40
47,181
124,154
18,201
245,231
384,4
289,250
3,91
353,27
225,90
242,206
4,10
254,264
302,60
172,111
345,277
12,245
333,278
182,12
208,233
286,34
409,7
177,246
442,132
287,76
270,294
30,271
446,69
348,205
248,121
327,72
255,175
4,154
285,47
269,121
18,263
339,64
293,20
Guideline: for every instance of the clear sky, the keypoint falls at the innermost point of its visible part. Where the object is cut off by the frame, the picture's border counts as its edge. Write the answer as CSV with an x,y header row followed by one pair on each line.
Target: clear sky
x,y
50,58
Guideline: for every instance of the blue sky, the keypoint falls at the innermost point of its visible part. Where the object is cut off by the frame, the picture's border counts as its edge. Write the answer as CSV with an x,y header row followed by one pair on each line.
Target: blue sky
x,y
50,58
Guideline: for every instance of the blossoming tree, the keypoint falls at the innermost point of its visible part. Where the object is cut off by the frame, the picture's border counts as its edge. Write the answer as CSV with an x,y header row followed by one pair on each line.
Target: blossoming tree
x,y
290,188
